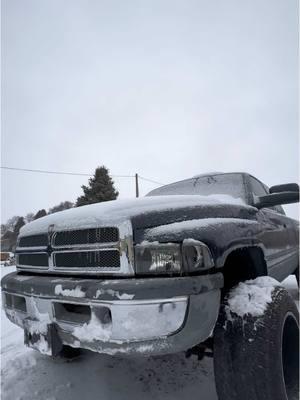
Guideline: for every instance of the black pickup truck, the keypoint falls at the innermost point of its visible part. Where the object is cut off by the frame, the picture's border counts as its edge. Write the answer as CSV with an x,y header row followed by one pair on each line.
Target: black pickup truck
x,y
194,266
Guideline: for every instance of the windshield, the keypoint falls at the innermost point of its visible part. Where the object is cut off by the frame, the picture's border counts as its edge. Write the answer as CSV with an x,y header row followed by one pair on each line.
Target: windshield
x,y
230,184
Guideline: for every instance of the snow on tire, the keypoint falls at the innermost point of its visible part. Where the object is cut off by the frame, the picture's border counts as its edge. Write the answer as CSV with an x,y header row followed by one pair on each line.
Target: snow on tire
x,y
256,343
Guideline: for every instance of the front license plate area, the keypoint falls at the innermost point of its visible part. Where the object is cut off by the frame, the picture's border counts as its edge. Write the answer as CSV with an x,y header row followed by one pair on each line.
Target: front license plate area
x,y
47,342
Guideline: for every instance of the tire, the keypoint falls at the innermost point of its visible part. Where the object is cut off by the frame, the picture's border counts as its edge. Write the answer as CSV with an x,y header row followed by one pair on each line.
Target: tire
x,y
257,358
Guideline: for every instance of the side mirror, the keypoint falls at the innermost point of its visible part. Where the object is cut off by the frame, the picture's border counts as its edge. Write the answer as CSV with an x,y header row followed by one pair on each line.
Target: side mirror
x,y
279,194
287,187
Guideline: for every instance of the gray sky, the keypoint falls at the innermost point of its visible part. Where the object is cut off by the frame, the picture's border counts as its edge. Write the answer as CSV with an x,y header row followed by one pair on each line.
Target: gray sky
x,y
168,89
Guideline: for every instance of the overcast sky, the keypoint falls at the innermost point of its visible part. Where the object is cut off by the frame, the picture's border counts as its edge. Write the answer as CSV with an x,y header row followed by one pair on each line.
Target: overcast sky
x,y
165,88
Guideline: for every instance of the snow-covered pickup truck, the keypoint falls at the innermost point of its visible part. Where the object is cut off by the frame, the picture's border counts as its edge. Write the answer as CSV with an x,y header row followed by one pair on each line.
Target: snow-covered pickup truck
x,y
190,267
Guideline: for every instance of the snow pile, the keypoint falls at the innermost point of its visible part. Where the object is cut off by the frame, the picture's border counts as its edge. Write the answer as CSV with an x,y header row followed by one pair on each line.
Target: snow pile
x,y
93,330
251,297
77,292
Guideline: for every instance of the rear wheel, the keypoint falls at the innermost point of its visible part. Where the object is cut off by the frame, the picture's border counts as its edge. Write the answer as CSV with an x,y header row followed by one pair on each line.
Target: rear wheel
x,y
256,355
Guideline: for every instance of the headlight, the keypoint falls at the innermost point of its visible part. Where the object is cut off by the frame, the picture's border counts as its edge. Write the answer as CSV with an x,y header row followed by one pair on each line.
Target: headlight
x,y
158,258
192,256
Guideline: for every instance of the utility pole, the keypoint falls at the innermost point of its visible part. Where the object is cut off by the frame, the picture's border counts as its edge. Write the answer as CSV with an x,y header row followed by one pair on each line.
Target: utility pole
x,y
136,185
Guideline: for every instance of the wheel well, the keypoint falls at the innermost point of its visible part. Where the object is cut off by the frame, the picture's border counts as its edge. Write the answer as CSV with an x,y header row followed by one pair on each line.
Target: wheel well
x,y
242,264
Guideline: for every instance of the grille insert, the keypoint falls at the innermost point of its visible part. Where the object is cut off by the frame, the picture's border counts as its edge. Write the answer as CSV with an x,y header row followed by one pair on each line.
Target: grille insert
x,y
108,259
33,259
34,241
86,236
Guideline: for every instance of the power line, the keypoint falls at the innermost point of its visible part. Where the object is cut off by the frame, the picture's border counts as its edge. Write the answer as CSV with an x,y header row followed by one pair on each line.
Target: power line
x,y
41,171
151,180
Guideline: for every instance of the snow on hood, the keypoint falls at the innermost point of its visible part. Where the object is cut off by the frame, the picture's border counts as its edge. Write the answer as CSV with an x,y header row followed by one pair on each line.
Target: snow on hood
x,y
116,211
192,225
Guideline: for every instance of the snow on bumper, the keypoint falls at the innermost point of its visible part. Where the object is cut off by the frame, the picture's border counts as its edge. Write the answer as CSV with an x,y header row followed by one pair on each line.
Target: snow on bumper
x,y
128,316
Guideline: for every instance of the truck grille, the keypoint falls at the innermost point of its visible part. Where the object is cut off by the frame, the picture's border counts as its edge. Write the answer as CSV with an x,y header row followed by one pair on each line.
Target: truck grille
x,y
86,236
88,259
33,259
34,241
99,250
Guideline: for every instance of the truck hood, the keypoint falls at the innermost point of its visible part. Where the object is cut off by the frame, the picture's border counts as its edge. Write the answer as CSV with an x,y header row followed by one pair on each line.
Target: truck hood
x,y
143,212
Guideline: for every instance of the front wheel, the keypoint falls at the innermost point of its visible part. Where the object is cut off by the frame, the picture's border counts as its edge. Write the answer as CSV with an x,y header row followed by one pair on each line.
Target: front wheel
x,y
256,343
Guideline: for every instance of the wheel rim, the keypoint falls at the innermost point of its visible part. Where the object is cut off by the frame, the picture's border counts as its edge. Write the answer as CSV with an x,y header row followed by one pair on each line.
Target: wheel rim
x,y
290,356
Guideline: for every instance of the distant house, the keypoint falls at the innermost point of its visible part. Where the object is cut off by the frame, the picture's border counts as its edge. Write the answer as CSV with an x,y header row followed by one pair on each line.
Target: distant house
x,y
4,256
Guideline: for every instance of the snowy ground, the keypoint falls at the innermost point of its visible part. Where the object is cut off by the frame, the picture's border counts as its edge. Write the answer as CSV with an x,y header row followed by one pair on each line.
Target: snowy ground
x,y
28,375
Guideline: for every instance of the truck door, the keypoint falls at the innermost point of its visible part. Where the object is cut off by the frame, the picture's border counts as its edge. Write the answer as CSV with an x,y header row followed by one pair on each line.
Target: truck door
x,y
277,236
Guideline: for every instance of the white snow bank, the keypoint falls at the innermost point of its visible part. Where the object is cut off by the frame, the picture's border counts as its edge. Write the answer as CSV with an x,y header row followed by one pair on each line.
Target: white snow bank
x,y
251,297
77,292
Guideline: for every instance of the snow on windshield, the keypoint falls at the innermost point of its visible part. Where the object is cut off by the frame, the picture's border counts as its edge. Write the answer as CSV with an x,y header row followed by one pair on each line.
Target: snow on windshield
x,y
229,184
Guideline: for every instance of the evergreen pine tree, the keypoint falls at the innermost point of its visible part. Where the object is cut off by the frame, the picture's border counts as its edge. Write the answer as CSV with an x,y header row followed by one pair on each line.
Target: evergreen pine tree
x,y
101,188
29,217
40,214
64,205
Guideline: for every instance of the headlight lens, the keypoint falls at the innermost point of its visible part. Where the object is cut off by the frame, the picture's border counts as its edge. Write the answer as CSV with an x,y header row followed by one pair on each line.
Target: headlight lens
x,y
192,256
158,258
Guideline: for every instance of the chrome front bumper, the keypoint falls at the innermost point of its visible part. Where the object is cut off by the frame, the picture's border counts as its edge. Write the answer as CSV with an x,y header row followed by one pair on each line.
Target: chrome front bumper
x,y
128,316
